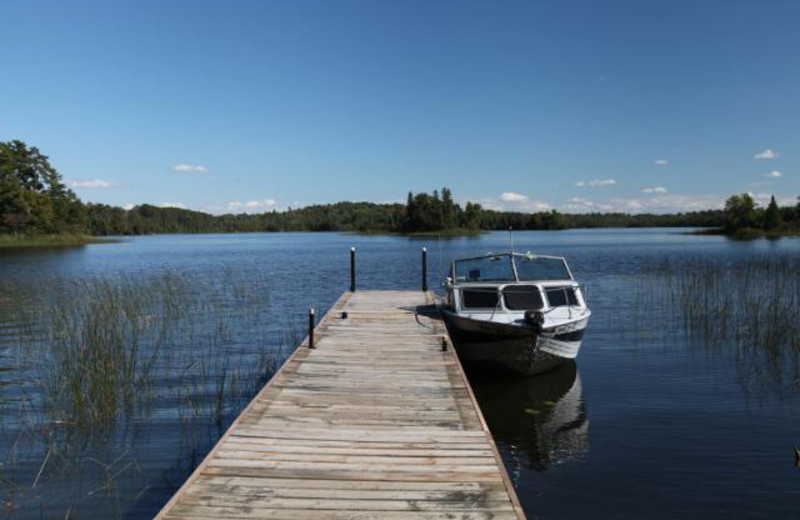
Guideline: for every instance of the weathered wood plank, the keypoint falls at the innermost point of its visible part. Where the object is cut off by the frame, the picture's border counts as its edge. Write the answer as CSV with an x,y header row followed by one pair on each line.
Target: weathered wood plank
x,y
469,502
376,422
182,512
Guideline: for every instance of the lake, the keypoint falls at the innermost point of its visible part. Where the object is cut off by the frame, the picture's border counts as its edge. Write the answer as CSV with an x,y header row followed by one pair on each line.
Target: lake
x,y
654,420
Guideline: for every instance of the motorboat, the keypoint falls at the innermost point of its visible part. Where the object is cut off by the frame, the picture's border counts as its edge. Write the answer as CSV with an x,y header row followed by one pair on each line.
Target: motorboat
x,y
521,312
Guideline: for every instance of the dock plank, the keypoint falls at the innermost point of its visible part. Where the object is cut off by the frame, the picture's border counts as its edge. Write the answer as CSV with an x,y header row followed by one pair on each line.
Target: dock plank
x,y
375,422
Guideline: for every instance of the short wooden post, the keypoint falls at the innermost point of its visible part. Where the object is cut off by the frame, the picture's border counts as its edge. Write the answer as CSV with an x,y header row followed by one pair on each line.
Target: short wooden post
x,y
311,322
352,269
424,269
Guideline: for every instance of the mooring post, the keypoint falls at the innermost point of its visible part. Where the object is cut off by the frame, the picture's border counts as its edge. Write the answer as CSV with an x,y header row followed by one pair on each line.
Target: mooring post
x,y
311,323
424,268
352,269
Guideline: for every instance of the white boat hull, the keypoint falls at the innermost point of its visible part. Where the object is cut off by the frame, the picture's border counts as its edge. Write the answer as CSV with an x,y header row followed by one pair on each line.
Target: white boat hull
x,y
565,340
516,348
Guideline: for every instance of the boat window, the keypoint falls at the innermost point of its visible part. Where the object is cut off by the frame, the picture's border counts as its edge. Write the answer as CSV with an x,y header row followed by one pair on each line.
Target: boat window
x,y
530,268
479,298
561,297
489,269
523,298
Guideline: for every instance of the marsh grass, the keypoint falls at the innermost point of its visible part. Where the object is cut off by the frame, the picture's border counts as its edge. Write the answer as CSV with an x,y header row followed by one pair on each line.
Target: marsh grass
x,y
97,355
749,307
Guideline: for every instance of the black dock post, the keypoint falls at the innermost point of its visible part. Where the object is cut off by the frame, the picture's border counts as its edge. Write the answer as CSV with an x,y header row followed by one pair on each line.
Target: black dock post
x,y
424,269
352,269
311,323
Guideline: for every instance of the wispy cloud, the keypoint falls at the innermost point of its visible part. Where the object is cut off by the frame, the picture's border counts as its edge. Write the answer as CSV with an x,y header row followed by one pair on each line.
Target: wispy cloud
x,y
655,189
93,184
660,203
763,199
189,168
774,174
668,203
511,201
252,206
766,154
510,196
179,205
654,202
661,162
597,183
578,205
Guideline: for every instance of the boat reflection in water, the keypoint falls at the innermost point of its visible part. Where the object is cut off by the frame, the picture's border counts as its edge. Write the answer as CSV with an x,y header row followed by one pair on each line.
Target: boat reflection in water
x,y
537,421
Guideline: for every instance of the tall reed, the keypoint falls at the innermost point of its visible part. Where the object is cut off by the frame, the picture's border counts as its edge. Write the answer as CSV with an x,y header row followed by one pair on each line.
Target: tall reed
x,y
747,306
94,355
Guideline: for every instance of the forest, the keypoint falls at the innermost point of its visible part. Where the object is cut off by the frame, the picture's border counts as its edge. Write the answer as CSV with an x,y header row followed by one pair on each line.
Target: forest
x,y
35,201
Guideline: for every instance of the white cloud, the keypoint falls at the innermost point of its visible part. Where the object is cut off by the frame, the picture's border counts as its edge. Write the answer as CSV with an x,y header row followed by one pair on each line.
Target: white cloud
x,y
766,154
189,168
597,183
510,196
129,206
578,205
93,184
668,203
252,206
654,203
774,174
655,189
516,202
763,199
179,205
661,162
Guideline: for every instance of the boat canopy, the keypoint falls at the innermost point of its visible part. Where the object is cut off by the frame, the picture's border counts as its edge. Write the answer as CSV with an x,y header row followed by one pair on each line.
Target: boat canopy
x,y
511,267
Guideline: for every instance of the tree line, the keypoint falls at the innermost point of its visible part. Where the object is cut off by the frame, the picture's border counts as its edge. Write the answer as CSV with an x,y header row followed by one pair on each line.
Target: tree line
x,y
33,197
34,200
744,218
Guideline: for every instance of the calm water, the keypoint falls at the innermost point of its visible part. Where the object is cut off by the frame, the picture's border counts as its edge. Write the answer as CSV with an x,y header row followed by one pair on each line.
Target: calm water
x,y
646,424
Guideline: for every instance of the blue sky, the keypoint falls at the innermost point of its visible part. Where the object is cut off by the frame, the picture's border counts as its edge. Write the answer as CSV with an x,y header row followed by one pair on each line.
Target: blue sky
x,y
594,105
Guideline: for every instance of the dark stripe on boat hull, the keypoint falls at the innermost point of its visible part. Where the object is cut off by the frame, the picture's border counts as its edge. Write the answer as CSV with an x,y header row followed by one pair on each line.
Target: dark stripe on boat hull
x,y
496,346
575,335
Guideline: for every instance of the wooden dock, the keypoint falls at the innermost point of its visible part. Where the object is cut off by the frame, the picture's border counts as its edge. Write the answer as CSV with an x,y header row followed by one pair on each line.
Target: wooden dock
x,y
377,421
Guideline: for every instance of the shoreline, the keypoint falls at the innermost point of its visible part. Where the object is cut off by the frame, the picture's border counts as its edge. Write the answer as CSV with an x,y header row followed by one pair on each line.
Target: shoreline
x,y
748,233
66,240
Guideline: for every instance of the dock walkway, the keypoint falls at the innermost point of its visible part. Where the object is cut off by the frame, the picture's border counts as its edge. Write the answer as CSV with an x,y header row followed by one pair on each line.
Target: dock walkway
x,y
375,422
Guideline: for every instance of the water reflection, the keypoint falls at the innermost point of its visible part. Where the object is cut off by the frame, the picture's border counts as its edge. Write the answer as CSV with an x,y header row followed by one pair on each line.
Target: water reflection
x,y
538,421
644,384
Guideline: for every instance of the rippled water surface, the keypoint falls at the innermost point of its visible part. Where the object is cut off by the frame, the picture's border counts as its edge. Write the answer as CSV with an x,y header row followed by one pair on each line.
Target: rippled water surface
x,y
654,420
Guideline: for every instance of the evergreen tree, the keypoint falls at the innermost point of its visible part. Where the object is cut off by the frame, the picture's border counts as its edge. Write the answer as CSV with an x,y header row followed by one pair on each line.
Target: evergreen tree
x,y
33,197
772,216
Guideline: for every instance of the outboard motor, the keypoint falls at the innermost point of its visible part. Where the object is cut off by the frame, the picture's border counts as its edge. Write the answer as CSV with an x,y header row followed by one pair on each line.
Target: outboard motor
x,y
535,319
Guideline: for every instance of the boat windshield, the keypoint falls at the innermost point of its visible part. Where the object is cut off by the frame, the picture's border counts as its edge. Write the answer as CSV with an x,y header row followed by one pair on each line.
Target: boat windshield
x,y
488,269
530,268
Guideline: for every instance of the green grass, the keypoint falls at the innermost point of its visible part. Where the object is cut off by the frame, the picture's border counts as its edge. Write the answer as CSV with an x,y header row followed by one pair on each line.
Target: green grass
x,y
60,240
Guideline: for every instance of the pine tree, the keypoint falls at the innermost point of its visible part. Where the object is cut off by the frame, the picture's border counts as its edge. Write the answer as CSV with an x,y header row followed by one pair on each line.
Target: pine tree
x,y
772,217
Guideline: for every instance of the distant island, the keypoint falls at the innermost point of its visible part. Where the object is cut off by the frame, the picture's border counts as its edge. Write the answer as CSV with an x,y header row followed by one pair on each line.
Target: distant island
x,y
36,208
